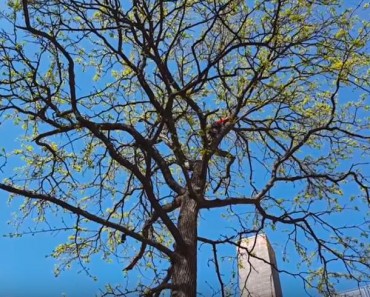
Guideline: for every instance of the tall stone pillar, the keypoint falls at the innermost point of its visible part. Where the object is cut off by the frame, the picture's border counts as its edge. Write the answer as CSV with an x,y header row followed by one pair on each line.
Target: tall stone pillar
x,y
257,278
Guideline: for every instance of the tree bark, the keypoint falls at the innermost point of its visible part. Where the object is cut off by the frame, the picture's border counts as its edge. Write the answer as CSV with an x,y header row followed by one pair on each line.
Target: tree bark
x,y
184,278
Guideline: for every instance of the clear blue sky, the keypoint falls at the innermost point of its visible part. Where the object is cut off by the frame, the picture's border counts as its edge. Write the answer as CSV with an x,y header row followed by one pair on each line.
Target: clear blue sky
x,y
26,271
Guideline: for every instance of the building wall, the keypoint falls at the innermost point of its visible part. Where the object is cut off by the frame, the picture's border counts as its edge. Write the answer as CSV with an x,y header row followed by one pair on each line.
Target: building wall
x,y
360,292
257,278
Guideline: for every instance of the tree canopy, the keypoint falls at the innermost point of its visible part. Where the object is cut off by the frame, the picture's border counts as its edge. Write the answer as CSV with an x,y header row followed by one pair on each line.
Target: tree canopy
x,y
116,100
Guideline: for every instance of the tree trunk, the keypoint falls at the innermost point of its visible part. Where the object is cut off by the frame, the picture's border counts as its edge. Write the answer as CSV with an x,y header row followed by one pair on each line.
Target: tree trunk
x,y
184,277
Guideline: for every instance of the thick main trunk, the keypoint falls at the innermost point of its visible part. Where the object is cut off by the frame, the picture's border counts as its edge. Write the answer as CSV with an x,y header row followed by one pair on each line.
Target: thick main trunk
x,y
184,275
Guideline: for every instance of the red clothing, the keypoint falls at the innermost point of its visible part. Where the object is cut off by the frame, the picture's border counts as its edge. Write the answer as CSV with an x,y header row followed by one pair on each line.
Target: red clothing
x,y
217,126
222,121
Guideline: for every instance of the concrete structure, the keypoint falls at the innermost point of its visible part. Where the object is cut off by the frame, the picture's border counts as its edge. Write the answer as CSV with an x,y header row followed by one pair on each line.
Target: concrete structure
x,y
360,292
257,278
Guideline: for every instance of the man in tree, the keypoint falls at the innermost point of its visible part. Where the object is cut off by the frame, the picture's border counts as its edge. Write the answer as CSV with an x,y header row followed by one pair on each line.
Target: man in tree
x,y
216,127
116,98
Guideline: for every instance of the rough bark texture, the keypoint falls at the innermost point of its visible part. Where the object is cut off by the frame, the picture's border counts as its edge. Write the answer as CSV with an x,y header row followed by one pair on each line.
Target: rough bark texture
x,y
185,266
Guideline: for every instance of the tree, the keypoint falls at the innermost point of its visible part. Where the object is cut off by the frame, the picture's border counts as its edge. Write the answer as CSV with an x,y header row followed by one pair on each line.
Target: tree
x,y
116,99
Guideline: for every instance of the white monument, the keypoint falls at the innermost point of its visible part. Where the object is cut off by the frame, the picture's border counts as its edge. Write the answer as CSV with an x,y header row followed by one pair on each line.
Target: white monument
x,y
257,278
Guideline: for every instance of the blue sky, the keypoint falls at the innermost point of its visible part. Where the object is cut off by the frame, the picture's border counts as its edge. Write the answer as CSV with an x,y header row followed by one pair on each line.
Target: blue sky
x,y
27,271
25,265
